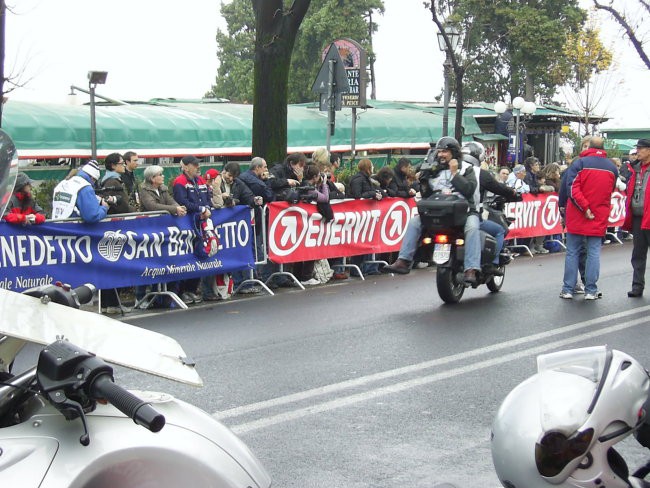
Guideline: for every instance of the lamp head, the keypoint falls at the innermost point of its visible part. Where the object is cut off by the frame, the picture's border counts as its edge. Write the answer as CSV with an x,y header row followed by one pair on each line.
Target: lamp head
x,y
97,77
518,103
500,107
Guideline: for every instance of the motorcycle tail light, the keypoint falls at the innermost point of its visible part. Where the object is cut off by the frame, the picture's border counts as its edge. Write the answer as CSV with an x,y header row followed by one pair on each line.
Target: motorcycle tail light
x,y
460,242
442,239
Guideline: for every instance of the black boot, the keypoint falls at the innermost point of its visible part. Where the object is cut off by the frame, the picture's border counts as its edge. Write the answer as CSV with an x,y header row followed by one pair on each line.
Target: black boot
x,y
401,266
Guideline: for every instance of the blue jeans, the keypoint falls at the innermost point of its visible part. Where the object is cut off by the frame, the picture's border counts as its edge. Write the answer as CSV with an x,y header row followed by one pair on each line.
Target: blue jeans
x,y
574,243
498,232
472,241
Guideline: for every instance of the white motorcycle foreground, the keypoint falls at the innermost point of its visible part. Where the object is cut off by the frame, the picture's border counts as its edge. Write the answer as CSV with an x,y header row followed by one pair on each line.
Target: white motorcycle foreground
x,y
65,423
559,427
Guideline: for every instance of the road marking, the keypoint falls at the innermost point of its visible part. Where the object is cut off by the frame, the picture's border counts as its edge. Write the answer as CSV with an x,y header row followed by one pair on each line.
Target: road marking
x,y
424,380
363,380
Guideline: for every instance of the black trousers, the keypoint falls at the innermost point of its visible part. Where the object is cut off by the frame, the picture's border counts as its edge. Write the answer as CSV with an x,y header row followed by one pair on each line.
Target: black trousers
x,y
640,244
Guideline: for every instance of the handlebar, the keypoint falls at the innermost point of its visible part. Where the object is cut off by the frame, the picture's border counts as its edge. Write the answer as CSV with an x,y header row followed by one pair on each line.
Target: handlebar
x,y
64,294
142,413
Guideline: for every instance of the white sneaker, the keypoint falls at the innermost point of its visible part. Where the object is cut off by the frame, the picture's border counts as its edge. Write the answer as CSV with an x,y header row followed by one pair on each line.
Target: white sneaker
x,y
541,250
594,296
311,282
579,289
421,265
566,295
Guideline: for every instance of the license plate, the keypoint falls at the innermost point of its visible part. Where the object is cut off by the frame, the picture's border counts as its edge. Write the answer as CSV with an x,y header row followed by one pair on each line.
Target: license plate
x,y
441,253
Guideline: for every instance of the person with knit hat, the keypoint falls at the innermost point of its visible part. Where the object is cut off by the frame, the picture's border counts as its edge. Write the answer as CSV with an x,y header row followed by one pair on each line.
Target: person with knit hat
x,y
75,196
22,209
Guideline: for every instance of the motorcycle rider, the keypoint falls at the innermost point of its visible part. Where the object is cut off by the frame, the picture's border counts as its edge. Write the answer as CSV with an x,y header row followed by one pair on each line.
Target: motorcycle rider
x,y
451,175
474,153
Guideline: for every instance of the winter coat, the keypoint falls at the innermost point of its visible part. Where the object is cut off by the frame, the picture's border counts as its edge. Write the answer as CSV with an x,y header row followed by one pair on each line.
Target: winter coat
x,y
161,200
631,181
191,193
590,181
400,185
361,186
280,173
20,206
114,186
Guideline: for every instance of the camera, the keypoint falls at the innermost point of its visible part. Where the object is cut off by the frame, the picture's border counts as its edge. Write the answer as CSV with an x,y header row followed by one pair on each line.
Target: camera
x,y
432,164
105,194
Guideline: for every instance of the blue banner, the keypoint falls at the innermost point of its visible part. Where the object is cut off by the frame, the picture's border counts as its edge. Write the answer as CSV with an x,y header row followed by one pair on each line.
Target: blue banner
x,y
121,252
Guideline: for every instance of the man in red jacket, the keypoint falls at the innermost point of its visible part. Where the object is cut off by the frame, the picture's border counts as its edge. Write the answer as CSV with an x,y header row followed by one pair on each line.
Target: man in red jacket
x,y
590,181
637,214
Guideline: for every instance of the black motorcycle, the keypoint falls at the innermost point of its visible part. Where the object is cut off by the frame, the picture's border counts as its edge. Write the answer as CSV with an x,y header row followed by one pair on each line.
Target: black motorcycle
x,y
443,220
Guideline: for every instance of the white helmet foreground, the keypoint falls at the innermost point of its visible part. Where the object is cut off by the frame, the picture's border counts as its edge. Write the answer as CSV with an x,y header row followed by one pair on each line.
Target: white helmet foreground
x,y
558,427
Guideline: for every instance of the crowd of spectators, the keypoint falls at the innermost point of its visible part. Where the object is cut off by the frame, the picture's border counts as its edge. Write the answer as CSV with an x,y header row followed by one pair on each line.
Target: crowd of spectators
x,y
87,195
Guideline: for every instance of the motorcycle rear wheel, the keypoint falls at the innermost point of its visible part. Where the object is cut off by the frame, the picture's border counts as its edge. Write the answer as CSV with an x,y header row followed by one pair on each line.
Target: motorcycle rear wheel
x,y
449,289
495,283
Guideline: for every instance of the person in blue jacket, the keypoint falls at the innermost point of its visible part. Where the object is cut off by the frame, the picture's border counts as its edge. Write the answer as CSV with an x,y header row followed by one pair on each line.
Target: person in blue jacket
x,y
75,196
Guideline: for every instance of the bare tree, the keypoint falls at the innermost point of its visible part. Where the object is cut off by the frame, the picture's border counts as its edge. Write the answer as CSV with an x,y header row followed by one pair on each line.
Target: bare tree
x,y
631,31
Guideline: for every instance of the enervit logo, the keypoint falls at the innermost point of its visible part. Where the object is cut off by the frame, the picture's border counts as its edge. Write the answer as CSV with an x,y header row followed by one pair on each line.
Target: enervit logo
x,y
111,245
290,227
550,215
394,224
618,207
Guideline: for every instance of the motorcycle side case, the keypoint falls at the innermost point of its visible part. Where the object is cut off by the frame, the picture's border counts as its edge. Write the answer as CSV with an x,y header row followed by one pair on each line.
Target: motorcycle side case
x,y
441,212
488,249
193,449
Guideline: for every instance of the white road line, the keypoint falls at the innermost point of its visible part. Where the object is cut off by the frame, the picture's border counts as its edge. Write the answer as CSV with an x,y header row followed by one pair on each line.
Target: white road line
x,y
363,380
405,385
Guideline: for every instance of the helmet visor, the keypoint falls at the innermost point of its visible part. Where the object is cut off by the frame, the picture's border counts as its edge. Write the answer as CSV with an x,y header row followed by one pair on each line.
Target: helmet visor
x,y
554,452
8,169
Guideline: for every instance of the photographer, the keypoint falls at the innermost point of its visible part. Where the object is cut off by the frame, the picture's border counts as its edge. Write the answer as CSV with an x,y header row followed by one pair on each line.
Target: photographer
x,y
233,190
444,171
112,186
75,197
361,186
313,189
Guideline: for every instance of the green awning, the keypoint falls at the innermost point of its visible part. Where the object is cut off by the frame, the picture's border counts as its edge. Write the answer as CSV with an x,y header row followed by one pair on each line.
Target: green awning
x,y
490,137
173,128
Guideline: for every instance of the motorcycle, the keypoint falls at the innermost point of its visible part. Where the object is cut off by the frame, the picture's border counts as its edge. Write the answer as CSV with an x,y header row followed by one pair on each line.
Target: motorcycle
x,y
443,220
66,423
559,427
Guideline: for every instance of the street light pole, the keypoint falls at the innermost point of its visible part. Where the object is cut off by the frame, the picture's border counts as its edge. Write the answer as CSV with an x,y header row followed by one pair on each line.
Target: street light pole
x,y
517,105
453,37
94,78
445,110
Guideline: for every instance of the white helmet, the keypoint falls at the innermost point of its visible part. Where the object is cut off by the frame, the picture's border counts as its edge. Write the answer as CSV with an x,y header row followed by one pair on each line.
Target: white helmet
x,y
473,152
558,427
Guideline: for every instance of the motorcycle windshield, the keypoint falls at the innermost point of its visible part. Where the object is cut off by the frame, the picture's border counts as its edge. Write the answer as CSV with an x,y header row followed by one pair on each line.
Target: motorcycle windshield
x,y
28,319
569,382
8,169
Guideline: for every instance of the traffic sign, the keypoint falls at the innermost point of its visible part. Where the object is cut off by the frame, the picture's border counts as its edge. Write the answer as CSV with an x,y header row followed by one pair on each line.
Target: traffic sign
x,y
340,77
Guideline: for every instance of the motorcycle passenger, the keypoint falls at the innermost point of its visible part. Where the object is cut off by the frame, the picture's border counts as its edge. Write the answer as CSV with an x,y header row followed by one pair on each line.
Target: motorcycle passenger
x,y
474,153
451,175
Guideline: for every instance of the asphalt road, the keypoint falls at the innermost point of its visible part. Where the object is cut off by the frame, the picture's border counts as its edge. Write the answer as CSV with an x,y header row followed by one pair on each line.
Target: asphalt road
x,y
378,383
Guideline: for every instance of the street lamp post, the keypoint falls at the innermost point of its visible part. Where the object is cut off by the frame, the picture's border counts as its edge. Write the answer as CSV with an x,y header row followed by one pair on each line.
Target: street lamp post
x,y
519,106
453,36
94,78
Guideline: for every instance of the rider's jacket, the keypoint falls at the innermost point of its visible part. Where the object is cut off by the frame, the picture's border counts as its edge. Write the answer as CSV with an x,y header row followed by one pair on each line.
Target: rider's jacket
x,y
464,183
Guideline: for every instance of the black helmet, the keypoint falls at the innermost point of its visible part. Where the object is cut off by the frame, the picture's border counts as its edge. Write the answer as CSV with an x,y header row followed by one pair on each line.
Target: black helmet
x,y
474,152
450,144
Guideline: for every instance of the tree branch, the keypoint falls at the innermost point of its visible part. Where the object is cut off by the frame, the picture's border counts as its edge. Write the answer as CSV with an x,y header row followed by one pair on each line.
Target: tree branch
x,y
638,45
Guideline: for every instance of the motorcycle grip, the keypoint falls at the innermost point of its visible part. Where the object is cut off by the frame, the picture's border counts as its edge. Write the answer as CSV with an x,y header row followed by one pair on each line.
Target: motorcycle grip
x,y
142,413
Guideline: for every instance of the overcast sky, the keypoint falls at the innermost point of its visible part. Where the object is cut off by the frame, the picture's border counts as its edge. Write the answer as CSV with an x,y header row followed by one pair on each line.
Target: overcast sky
x,y
165,48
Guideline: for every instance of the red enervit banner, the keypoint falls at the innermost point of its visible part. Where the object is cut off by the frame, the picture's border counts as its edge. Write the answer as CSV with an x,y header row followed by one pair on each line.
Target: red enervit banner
x,y
298,232
539,215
